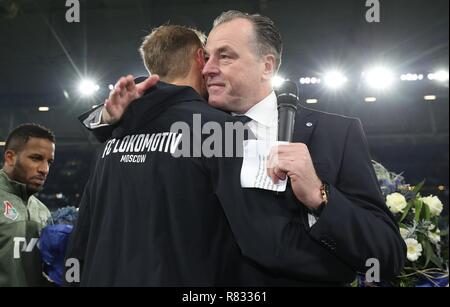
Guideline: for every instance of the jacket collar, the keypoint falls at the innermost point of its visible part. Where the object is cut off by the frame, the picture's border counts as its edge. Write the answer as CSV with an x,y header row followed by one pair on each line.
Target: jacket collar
x,y
12,186
155,101
305,124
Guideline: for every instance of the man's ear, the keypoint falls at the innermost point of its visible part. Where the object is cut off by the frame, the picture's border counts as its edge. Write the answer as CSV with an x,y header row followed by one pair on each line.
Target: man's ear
x,y
200,58
10,157
269,68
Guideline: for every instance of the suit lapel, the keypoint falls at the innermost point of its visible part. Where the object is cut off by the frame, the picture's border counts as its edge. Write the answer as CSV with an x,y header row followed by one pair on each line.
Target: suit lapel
x,y
305,123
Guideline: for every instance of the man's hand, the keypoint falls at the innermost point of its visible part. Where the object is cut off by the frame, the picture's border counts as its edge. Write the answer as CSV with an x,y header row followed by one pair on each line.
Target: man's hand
x,y
124,92
295,161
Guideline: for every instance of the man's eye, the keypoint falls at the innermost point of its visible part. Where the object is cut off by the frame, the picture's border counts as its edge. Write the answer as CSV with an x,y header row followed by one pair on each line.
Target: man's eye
x,y
224,56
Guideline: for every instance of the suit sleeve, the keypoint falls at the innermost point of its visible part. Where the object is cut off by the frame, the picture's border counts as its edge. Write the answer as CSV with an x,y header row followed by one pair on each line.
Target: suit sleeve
x,y
269,230
101,133
356,224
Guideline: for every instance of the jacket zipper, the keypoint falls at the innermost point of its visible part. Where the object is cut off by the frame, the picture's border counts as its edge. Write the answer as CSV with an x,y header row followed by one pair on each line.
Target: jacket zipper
x,y
28,211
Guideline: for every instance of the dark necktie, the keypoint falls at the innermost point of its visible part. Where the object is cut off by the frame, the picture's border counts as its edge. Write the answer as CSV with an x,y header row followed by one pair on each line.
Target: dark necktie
x,y
249,135
242,118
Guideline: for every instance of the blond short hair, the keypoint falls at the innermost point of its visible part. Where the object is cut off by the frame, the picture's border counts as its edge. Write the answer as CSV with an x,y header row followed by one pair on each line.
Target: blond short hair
x,y
168,50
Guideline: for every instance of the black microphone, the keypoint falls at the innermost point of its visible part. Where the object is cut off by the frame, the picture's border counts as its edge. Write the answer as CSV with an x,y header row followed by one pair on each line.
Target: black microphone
x,y
287,98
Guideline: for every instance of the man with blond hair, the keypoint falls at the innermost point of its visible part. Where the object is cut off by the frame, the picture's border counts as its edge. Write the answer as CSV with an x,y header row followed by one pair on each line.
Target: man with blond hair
x,y
337,219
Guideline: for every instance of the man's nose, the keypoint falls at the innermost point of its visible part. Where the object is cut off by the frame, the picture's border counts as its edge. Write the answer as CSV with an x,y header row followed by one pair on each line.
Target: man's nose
x,y
44,168
210,68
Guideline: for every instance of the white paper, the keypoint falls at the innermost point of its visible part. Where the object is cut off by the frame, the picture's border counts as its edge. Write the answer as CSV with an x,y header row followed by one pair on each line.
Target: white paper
x,y
254,166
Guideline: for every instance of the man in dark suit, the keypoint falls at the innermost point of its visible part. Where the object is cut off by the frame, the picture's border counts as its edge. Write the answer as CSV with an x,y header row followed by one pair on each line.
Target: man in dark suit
x,y
343,221
151,218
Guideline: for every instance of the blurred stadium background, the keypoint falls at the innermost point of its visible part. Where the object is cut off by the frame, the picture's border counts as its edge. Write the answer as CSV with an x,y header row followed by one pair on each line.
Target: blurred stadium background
x,y
44,59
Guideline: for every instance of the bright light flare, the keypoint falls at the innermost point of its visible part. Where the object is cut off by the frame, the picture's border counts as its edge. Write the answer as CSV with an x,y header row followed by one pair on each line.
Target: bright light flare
x,y
379,78
88,87
277,81
441,76
335,79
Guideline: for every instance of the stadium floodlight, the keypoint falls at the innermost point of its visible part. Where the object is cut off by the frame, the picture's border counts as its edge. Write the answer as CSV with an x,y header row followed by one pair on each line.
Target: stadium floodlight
x,y
2,143
379,78
430,97
277,81
370,99
88,87
66,94
305,80
411,77
440,75
335,79
43,109
312,100
309,80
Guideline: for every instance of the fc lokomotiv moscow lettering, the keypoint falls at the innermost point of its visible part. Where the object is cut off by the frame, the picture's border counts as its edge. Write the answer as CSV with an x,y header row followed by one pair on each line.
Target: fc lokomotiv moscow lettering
x,y
142,143
199,139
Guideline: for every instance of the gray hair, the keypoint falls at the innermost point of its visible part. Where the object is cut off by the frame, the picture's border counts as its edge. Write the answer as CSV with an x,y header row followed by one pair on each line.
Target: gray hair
x,y
268,38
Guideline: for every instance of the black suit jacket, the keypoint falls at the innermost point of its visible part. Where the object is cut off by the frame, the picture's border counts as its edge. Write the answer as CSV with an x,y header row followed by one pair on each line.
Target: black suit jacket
x,y
356,225
277,245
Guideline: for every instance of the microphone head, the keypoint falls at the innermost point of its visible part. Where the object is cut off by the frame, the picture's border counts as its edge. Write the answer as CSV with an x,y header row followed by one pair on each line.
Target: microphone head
x,y
287,94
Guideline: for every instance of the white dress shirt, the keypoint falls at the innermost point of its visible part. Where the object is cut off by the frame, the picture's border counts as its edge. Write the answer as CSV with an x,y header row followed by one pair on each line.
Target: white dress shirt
x,y
264,118
264,125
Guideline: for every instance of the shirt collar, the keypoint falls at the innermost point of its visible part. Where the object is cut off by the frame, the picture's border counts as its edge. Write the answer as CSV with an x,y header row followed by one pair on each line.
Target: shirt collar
x,y
265,112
